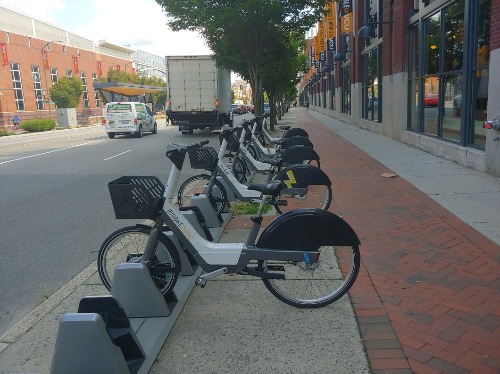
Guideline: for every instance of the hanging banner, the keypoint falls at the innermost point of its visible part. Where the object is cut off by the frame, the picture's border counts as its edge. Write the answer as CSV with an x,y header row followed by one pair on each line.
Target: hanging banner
x,y
321,34
346,16
331,26
330,45
316,48
99,68
45,59
4,53
75,65
322,56
133,71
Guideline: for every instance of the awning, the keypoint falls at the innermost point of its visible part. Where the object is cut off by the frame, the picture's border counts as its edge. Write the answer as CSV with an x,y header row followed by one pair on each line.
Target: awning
x,y
128,89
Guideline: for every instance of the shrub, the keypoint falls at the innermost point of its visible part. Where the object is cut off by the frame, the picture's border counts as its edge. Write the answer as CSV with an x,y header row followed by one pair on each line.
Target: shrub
x,y
4,132
39,124
67,92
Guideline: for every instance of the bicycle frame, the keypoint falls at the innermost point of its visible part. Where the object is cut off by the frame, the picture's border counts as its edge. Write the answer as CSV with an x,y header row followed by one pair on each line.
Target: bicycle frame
x,y
231,257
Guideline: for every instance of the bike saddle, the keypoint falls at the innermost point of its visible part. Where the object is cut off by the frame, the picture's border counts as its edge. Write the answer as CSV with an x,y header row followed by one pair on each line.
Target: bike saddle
x,y
272,189
285,127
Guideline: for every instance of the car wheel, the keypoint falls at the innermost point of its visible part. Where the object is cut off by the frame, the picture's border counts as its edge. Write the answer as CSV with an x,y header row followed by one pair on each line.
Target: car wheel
x,y
155,129
111,135
139,133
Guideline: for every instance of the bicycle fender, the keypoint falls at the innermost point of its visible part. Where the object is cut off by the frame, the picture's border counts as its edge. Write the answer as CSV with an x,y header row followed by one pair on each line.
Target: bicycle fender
x,y
298,154
302,175
307,227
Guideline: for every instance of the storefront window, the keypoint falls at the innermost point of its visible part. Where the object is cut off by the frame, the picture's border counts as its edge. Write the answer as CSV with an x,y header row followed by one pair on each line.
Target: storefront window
x,y
371,99
481,71
445,100
430,99
346,90
413,76
453,56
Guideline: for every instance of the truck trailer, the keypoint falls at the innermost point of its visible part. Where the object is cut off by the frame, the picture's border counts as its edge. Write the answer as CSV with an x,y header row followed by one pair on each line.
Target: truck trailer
x,y
198,94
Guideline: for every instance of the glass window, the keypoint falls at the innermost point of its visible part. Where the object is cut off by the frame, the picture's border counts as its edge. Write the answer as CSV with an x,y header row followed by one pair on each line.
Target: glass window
x,y
17,85
69,73
35,73
85,92
413,123
346,90
53,75
371,99
480,72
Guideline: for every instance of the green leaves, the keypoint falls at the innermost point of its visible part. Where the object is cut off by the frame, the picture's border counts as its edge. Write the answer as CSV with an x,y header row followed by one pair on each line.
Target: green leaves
x,y
67,92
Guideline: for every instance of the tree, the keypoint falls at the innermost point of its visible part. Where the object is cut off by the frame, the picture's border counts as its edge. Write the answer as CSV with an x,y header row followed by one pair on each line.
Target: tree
x,y
67,92
241,37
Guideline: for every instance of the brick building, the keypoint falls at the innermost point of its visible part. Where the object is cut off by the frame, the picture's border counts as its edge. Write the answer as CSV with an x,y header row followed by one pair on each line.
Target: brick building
x,y
35,54
421,73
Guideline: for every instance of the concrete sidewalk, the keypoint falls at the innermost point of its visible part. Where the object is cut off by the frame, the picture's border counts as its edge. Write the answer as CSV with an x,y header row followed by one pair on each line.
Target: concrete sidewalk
x,y
426,299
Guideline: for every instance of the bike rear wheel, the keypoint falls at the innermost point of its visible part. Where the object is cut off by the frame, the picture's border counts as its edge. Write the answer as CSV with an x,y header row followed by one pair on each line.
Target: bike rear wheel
x,y
195,185
314,196
127,245
320,283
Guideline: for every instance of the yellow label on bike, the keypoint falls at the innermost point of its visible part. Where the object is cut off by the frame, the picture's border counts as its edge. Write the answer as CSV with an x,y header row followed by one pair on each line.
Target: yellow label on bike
x,y
291,179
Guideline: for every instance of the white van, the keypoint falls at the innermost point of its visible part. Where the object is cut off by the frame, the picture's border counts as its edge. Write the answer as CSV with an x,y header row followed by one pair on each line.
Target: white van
x,y
129,118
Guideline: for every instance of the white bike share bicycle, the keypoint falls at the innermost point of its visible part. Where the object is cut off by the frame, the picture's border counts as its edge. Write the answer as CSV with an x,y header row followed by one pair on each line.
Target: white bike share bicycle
x,y
306,258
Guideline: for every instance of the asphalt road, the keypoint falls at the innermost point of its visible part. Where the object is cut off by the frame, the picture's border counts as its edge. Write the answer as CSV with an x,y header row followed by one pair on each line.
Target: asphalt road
x,y
55,209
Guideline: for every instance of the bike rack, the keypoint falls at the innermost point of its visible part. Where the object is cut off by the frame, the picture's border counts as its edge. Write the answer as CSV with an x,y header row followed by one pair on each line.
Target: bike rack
x,y
124,332
92,341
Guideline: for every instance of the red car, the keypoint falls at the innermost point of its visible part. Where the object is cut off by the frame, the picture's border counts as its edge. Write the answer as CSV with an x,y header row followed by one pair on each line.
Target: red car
x,y
430,100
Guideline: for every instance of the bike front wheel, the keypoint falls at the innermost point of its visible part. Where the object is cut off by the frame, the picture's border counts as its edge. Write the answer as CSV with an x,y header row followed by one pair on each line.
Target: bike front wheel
x,y
314,196
319,283
127,245
196,185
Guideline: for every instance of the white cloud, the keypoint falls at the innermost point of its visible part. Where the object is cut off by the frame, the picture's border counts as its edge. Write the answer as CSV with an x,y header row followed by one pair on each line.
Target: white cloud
x,y
142,25
37,9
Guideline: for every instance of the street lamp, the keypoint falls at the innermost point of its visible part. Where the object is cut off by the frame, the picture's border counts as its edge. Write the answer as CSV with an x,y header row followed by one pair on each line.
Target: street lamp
x,y
45,63
128,63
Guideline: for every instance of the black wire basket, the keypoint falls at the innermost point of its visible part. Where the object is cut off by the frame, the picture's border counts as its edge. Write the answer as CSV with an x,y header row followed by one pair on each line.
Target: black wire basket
x,y
203,158
136,197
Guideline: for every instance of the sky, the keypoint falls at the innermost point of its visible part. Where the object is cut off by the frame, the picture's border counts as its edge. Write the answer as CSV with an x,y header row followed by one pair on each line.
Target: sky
x,y
140,24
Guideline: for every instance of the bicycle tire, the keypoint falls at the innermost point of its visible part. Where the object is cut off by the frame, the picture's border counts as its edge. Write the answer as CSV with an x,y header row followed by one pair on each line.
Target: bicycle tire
x,y
317,196
316,285
253,152
240,170
196,185
127,244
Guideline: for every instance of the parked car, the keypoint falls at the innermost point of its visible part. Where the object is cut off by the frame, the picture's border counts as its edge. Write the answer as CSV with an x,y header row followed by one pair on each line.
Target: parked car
x,y
129,118
236,109
430,100
457,105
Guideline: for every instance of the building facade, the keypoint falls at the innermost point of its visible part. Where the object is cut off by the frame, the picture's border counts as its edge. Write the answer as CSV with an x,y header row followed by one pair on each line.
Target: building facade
x,y
417,71
36,54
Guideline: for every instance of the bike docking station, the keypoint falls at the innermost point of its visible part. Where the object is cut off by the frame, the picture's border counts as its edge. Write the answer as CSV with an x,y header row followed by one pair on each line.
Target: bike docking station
x,y
123,332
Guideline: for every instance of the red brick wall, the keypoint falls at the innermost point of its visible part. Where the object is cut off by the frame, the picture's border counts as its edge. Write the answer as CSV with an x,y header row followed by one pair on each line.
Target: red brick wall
x,y
19,52
495,25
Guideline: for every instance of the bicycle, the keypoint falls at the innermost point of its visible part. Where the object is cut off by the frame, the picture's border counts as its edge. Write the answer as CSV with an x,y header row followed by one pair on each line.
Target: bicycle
x,y
306,185
307,258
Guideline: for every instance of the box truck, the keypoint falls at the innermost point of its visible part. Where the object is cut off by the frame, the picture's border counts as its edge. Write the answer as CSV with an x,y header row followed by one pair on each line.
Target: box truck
x,y
198,94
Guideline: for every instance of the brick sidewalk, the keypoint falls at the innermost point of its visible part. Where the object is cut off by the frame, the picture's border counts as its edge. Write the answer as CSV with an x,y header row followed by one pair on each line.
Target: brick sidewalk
x,y
427,297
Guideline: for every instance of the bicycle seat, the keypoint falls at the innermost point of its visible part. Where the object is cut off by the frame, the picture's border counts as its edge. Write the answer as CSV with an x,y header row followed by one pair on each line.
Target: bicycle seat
x,y
272,188
285,127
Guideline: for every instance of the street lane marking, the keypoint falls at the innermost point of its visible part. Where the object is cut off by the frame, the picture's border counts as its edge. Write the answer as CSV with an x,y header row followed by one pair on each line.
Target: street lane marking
x,y
55,150
119,154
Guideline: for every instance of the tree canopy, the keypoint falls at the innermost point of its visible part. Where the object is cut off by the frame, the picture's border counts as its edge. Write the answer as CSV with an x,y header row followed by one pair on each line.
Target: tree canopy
x,y
250,37
67,92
